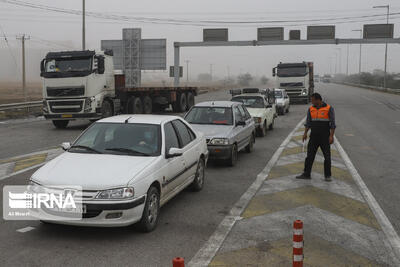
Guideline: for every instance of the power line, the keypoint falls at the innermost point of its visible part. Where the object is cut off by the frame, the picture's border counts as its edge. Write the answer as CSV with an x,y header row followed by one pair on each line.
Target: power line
x,y
9,48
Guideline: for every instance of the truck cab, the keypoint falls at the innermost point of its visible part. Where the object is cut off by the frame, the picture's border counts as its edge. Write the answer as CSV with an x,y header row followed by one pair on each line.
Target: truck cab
x,y
297,79
77,85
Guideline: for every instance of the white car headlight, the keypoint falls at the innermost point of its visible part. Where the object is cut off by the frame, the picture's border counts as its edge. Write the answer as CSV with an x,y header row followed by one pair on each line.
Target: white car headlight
x,y
257,119
219,141
118,193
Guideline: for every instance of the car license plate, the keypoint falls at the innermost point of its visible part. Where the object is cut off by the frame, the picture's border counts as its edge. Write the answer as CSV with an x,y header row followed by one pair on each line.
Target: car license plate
x,y
78,210
66,116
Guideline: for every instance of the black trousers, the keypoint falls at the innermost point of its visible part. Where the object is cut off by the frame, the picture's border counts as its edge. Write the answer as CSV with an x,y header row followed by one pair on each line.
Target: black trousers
x,y
315,142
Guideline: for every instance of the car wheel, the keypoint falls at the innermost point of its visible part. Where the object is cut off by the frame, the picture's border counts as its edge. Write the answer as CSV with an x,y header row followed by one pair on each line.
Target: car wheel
x,y
234,155
250,146
62,124
106,109
151,210
287,110
271,126
198,182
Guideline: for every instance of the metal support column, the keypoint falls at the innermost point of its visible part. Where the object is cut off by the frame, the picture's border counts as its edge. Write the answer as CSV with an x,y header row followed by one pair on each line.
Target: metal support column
x,y
176,65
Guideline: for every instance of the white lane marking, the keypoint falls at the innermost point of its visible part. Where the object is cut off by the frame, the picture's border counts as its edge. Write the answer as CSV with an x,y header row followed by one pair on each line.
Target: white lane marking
x,y
26,229
384,222
207,252
373,100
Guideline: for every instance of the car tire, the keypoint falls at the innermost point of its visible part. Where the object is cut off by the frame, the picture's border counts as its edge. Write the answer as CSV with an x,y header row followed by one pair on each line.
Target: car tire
x,y
190,100
250,146
263,130
271,126
147,105
151,210
62,124
287,110
106,109
198,181
233,157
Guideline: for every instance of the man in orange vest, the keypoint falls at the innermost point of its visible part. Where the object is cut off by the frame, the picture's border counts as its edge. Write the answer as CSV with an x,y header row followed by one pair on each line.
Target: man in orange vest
x,y
321,121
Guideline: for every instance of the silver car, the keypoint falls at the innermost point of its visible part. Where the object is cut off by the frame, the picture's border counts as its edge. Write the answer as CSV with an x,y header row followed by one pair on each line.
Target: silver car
x,y
227,126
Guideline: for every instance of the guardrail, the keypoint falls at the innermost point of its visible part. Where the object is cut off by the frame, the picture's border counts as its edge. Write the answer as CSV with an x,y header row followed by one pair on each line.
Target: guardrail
x,y
31,104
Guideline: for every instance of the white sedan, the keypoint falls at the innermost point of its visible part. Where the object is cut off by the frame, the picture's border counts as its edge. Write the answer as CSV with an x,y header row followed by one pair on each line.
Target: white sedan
x,y
128,166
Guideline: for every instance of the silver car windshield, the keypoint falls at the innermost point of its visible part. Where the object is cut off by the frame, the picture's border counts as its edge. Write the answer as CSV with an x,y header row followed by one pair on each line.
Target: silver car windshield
x,y
210,115
120,138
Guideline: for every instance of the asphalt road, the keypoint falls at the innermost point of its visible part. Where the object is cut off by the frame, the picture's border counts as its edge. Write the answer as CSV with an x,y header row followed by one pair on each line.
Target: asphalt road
x,y
186,222
368,127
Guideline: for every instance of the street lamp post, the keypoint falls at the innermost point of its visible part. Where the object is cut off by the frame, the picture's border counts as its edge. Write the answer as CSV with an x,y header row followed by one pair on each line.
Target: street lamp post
x,y
386,45
359,62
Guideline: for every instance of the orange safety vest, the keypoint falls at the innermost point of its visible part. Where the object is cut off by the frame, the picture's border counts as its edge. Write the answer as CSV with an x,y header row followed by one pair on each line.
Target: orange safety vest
x,y
321,114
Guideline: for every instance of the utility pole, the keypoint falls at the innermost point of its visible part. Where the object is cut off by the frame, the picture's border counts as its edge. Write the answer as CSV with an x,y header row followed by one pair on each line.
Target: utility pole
x,y
347,61
211,71
340,60
187,70
83,26
23,38
359,62
386,45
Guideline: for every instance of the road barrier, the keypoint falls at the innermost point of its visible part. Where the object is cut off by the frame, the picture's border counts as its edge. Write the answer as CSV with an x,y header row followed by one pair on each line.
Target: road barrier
x,y
178,262
298,243
21,105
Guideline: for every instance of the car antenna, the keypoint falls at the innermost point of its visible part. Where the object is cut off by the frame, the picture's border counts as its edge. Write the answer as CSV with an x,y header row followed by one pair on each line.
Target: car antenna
x,y
127,120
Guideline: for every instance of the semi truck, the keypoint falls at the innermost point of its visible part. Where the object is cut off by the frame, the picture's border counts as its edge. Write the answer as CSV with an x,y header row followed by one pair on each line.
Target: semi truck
x,y
297,79
84,85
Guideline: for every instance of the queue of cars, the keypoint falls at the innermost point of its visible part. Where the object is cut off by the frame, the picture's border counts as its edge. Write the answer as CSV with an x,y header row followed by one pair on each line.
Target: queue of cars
x,y
128,166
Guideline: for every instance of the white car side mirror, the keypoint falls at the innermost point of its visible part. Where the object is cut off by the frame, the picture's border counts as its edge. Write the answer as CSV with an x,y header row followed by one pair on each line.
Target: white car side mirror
x,y
66,145
174,152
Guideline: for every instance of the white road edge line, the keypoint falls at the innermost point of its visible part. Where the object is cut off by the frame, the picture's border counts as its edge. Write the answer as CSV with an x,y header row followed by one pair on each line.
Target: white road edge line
x,y
383,221
26,229
207,252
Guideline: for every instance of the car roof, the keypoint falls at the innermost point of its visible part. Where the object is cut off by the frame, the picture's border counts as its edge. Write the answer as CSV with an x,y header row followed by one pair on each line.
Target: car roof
x,y
226,104
251,94
140,118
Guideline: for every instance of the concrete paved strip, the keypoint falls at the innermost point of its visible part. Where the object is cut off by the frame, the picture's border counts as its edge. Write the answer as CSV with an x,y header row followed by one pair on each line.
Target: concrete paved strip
x,y
16,165
204,256
342,227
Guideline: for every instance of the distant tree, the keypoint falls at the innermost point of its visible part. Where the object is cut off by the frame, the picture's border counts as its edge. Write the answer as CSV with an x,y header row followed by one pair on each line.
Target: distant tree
x,y
245,79
264,80
204,77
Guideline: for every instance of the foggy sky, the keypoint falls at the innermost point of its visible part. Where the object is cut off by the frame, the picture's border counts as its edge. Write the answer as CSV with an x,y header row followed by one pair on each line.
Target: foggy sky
x,y
66,30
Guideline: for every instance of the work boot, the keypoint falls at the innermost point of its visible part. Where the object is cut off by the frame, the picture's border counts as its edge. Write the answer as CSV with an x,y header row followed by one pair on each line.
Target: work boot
x,y
303,176
328,179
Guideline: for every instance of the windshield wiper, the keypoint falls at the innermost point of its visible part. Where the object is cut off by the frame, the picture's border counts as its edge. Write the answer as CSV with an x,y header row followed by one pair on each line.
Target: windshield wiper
x,y
127,150
87,148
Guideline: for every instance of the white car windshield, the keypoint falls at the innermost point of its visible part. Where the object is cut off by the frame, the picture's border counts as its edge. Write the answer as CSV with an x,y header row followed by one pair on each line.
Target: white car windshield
x,y
120,138
250,101
210,115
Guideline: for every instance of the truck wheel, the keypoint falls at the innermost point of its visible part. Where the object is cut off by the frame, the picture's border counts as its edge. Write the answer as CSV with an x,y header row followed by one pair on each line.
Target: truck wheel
x,y
61,124
190,100
180,104
106,109
147,105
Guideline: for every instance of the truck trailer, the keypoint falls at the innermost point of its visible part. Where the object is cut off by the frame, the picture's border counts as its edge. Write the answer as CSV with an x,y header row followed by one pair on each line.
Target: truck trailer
x,y
297,79
84,85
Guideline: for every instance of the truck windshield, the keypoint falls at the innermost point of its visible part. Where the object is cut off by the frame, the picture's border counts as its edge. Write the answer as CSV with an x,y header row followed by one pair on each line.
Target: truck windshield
x,y
131,139
69,65
210,115
250,101
292,71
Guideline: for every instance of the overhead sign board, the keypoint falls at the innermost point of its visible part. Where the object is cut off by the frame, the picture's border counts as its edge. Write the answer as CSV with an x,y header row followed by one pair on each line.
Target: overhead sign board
x,y
320,32
294,35
172,71
153,54
215,35
118,53
373,31
270,34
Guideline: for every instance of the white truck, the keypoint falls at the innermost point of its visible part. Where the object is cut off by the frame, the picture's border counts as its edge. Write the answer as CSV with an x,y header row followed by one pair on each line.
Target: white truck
x,y
297,79
84,85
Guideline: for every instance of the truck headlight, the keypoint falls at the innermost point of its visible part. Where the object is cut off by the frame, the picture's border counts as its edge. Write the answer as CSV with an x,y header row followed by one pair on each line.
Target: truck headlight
x,y
304,92
88,103
219,141
257,119
118,193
